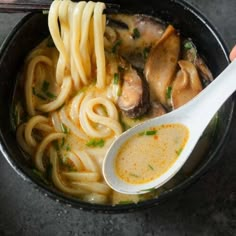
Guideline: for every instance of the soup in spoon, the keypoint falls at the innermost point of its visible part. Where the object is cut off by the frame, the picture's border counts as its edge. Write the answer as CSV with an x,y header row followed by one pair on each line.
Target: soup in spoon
x,y
147,155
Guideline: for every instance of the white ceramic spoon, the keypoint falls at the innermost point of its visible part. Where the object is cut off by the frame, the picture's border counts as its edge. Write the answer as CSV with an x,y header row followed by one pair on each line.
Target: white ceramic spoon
x,y
195,115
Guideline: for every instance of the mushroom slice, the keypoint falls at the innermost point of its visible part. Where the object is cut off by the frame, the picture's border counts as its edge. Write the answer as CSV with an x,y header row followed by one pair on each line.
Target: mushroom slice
x,y
186,85
203,70
161,64
189,53
134,98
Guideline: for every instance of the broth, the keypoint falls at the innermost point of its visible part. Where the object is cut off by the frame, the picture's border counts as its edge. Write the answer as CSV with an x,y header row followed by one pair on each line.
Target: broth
x,y
74,96
148,155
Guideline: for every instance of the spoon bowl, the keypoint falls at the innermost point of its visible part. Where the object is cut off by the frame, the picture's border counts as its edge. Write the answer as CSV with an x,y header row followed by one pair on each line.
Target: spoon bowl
x,y
195,116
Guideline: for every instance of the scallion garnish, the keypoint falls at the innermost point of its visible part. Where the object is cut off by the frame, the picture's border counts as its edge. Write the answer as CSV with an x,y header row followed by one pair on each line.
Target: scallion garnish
x,y
95,143
64,129
178,152
188,45
116,78
134,175
148,132
67,148
136,33
168,92
50,95
146,52
38,94
45,86
151,167
116,45
63,142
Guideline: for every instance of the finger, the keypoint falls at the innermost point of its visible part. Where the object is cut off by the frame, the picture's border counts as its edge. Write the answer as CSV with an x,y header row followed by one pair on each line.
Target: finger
x,y
232,55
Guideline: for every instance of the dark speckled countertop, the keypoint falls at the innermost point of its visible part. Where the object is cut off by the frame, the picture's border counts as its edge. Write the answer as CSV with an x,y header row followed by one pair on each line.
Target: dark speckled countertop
x,y
206,208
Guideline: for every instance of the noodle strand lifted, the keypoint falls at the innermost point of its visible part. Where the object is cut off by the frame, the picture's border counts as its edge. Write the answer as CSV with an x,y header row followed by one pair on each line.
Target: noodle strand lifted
x,y
69,115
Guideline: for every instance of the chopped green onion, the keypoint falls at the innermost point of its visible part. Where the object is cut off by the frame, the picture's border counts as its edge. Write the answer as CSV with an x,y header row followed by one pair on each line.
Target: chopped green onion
x,y
116,45
51,95
134,175
146,52
38,94
64,129
68,148
148,132
188,45
16,116
150,167
95,143
168,92
178,152
45,86
116,78
63,142
136,33
119,91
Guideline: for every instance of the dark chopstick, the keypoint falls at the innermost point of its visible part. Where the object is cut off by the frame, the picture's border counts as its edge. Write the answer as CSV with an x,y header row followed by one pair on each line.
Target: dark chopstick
x,y
7,6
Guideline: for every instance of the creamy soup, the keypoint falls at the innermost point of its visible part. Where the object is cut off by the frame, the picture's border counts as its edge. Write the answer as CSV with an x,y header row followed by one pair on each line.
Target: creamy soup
x,y
150,153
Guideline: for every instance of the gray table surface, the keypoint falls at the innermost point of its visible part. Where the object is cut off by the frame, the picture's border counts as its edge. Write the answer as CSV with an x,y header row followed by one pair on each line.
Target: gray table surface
x,y
207,208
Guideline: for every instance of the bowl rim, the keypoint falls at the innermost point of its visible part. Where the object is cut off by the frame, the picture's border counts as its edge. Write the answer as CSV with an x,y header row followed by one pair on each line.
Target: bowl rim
x,y
78,204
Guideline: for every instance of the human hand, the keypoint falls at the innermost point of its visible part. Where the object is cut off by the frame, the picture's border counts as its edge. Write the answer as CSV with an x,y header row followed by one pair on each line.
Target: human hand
x,y
232,55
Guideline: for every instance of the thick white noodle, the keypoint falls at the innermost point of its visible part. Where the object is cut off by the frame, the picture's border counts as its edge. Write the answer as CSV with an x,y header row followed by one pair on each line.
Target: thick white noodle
x,y
57,179
96,125
20,137
84,44
94,187
82,176
74,159
73,128
30,125
75,41
88,162
56,121
99,28
61,98
29,81
55,33
42,146
75,107
88,127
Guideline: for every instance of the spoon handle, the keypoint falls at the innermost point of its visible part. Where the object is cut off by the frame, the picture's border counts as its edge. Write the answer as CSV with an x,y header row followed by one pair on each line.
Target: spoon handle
x,y
204,106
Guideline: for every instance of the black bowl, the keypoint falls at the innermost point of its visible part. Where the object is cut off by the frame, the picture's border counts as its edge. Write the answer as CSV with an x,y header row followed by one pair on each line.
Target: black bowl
x,y
33,28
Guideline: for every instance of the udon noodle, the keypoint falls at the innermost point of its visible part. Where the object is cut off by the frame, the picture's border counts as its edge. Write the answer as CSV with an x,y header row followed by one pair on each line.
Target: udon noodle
x,y
72,107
